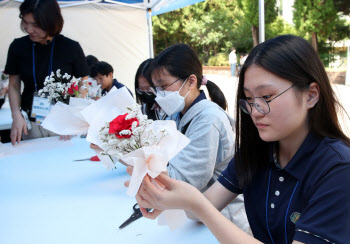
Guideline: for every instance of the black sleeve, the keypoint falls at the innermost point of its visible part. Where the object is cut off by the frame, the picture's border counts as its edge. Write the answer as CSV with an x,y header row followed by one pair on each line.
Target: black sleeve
x,y
12,63
80,67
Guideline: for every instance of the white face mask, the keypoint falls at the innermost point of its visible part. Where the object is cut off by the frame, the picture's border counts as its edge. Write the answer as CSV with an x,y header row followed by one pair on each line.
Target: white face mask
x,y
171,102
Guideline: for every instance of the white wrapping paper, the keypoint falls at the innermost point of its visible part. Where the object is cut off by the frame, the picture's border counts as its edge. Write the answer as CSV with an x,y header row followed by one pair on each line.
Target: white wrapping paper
x,y
105,110
66,119
154,159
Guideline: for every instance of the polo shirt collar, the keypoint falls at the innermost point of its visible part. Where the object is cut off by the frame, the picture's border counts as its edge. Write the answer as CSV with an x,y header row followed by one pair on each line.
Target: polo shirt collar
x,y
200,97
300,162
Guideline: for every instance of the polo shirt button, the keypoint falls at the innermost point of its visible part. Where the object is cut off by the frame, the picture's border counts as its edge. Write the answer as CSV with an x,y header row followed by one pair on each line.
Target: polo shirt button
x,y
281,179
277,193
272,205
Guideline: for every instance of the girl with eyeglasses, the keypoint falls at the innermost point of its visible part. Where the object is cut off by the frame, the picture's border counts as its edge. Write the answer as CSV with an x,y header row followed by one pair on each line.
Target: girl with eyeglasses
x,y
177,75
292,160
146,92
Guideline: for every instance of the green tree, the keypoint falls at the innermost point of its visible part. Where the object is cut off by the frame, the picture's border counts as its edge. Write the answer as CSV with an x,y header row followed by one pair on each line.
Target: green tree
x,y
251,15
168,29
279,27
210,27
213,29
317,18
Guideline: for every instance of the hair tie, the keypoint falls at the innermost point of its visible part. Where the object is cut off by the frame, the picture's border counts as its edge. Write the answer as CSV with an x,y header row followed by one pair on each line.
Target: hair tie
x,y
204,80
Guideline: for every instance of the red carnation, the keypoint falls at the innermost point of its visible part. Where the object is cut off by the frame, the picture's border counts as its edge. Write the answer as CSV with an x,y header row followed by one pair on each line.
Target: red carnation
x,y
73,88
120,123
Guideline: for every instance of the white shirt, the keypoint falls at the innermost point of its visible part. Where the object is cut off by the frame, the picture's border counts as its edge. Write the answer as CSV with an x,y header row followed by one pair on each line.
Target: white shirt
x,y
232,58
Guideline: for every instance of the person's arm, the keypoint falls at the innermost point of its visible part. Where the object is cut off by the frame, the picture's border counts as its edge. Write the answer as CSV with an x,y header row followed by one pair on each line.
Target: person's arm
x,y
195,164
218,196
18,124
180,195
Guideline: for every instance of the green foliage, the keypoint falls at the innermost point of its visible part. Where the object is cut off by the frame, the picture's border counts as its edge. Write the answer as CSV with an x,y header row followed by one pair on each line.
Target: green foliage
x,y
220,59
315,16
279,27
251,11
212,27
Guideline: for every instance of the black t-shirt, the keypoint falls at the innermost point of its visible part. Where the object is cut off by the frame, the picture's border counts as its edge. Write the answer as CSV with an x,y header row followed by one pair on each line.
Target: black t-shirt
x,y
68,56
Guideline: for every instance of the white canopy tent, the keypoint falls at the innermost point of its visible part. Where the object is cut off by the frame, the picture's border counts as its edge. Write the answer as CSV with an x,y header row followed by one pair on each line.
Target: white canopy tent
x,y
118,32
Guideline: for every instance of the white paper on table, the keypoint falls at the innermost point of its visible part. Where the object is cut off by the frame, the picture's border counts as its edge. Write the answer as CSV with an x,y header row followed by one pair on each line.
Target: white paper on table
x,y
174,218
66,119
105,110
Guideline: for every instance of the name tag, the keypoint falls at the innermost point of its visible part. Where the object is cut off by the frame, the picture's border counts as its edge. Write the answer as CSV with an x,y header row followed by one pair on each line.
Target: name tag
x,y
41,107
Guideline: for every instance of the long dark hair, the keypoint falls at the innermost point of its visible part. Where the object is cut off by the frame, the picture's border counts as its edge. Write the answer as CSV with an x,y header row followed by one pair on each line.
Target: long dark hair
x,y
143,70
294,59
46,13
181,61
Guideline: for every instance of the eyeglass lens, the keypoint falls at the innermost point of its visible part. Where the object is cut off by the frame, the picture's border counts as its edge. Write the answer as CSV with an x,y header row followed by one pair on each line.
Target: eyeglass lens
x,y
147,91
259,103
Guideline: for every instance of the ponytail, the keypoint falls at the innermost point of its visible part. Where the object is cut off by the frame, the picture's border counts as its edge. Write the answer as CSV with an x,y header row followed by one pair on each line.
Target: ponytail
x,y
180,60
216,95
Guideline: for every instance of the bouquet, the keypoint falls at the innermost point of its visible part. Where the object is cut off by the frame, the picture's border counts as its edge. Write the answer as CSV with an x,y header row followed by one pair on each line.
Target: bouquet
x,y
128,132
58,88
132,138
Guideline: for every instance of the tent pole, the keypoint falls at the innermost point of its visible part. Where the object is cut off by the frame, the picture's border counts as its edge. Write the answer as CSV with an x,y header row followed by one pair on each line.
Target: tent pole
x,y
150,32
261,21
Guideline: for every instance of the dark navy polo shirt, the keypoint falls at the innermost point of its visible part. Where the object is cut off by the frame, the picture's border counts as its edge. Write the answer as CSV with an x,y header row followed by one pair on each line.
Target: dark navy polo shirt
x,y
118,85
308,200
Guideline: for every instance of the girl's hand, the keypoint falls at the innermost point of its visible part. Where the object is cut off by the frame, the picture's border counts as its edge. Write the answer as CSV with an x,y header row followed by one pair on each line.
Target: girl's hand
x,y
175,195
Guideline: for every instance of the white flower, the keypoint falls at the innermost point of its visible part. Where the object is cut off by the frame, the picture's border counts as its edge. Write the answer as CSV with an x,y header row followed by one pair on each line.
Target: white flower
x,y
65,76
125,132
58,73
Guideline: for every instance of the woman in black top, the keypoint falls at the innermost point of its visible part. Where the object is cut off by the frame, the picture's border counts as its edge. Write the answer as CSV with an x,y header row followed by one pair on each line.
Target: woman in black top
x,y
33,57
146,93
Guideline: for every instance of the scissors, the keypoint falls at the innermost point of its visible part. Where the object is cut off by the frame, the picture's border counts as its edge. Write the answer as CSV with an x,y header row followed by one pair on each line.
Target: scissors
x,y
94,158
135,216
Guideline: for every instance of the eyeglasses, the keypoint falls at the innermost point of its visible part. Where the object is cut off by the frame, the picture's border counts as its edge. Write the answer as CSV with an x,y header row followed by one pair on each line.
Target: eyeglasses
x,y
161,89
259,103
148,91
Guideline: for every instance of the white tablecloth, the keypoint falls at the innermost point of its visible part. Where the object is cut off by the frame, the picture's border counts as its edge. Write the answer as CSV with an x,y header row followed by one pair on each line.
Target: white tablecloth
x,y
46,197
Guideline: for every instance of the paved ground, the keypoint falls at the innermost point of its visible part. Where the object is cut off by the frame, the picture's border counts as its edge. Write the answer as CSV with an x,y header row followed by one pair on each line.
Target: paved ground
x,y
229,85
